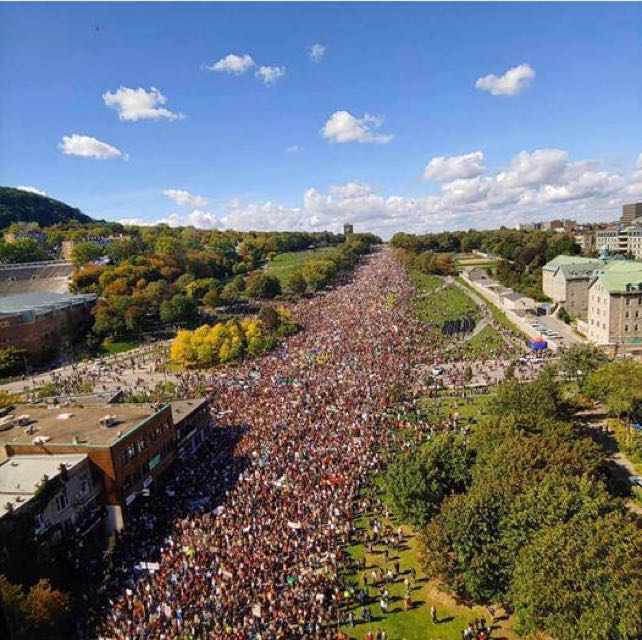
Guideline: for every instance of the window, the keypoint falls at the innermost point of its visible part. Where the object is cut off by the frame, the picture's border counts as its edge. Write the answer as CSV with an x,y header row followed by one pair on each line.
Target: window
x,y
40,521
626,328
85,485
61,501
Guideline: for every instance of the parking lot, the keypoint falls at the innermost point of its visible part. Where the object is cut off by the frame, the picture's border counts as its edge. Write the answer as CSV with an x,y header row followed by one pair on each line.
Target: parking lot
x,y
553,329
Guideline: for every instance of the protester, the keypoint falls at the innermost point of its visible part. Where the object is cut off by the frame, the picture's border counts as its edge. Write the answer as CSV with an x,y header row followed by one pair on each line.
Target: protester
x,y
253,531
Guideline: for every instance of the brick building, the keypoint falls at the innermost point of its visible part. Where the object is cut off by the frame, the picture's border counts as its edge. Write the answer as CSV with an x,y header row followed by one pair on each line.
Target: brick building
x,y
129,445
36,321
192,421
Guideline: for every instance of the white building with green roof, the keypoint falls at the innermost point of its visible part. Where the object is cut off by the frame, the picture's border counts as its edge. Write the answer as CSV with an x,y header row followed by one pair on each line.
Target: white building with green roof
x,y
565,280
615,306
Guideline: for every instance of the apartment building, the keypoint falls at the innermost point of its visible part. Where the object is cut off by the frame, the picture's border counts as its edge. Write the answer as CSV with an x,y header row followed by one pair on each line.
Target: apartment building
x,y
128,445
615,306
565,280
630,212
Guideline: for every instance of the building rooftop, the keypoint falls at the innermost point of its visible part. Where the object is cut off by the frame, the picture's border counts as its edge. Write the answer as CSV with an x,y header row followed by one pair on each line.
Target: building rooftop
x,y
622,277
40,302
21,475
62,424
182,409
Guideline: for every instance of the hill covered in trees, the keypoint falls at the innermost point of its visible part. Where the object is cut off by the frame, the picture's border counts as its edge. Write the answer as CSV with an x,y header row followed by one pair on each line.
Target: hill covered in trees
x,y
24,206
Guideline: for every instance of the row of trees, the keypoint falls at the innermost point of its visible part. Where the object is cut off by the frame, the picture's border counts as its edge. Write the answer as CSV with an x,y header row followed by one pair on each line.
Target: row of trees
x,y
165,275
522,253
429,262
211,345
518,513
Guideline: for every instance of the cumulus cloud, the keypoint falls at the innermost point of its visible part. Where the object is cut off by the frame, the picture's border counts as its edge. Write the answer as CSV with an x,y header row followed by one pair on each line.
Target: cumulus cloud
x,y
635,187
29,189
197,218
527,169
351,190
534,185
342,126
514,81
183,197
270,75
88,147
316,52
233,64
138,104
443,169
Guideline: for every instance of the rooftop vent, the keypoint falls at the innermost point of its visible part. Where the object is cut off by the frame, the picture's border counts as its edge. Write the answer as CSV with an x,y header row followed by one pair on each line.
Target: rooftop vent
x,y
108,421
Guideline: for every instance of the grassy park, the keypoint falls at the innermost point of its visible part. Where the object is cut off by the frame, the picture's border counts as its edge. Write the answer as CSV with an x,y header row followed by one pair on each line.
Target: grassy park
x,y
285,265
438,301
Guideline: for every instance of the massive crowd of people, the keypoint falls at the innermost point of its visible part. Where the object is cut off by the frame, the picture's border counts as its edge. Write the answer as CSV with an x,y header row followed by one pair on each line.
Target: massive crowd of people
x,y
253,532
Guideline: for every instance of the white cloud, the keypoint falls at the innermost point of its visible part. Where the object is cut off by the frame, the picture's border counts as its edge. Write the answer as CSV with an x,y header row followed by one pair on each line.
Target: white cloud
x,y
316,52
514,81
269,216
351,190
293,149
183,197
29,189
88,147
138,104
197,218
536,185
233,64
527,169
443,169
270,75
342,126
635,188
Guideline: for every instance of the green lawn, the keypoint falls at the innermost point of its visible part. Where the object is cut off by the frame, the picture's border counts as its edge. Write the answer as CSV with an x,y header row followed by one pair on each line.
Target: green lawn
x,y
414,623
119,346
437,301
285,265
488,343
472,407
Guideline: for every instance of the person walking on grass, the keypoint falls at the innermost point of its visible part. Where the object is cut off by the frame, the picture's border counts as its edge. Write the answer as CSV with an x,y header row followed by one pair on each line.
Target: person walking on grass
x,y
433,614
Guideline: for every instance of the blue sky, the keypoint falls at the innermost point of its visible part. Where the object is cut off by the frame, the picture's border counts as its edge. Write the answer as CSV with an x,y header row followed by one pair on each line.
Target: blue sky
x,y
395,89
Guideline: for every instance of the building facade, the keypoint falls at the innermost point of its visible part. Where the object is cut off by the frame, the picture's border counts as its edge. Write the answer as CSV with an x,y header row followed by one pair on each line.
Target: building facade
x,y
565,280
35,322
60,495
630,212
128,445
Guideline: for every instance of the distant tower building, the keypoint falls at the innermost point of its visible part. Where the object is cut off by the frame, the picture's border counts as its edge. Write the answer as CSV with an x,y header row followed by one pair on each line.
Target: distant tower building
x,y
348,230
630,212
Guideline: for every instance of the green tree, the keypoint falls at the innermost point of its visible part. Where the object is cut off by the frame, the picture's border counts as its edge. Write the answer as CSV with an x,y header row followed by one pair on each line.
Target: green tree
x,y
212,298
233,290
263,286
418,482
618,385
297,284
319,273
85,252
580,361
581,580
177,309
